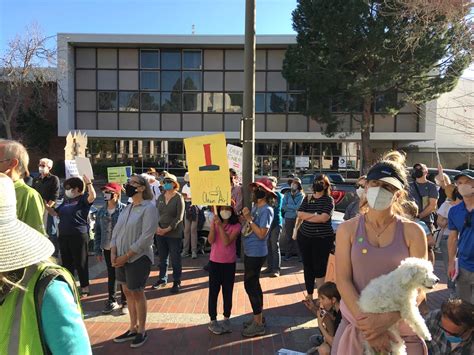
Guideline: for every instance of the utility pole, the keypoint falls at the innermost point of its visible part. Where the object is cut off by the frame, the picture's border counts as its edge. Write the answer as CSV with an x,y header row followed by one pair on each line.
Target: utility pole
x,y
247,126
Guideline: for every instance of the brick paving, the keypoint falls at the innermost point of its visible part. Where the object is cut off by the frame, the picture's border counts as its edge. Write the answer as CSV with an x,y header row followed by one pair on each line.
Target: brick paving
x,y
177,324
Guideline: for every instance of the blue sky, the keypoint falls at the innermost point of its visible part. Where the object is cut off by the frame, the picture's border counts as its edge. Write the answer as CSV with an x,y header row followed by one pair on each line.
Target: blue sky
x,y
142,16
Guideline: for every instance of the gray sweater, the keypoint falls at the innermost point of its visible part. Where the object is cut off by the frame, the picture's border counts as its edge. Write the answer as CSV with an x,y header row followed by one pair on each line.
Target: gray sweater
x,y
171,214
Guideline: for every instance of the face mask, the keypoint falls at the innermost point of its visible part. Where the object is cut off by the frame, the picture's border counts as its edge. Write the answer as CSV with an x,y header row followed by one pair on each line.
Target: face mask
x,y
379,198
130,190
318,187
168,186
69,193
294,187
418,173
43,170
465,190
259,194
452,339
108,196
225,214
360,192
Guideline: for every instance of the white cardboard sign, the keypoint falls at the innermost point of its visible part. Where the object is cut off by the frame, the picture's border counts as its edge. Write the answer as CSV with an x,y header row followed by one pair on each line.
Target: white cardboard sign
x,y
234,156
301,162
71,168
84,167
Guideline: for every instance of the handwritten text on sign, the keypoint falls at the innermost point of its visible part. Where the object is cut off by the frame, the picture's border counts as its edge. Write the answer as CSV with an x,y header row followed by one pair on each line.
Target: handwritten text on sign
x,y
234,156
208,170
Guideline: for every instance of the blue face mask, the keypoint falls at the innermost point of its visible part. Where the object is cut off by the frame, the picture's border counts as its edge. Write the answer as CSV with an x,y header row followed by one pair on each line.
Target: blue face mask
x,y
168,186
453,339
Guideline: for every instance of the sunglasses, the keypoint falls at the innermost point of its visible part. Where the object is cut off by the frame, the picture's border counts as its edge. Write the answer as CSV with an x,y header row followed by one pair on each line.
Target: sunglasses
x,y
167,181
458,335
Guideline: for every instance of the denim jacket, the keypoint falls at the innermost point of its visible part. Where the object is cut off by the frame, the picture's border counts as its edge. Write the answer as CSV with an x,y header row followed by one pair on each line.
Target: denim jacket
x,y
291,203
102,238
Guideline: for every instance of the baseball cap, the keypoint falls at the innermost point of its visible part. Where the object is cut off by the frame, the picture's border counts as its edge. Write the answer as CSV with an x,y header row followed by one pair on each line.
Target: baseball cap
x,y
112,186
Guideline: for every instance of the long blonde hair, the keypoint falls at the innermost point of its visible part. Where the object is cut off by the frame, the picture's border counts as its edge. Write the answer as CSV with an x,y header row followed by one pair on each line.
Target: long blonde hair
x,y
396,161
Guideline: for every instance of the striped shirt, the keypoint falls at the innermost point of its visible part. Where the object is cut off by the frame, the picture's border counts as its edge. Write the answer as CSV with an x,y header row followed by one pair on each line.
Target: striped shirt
x,y
324,204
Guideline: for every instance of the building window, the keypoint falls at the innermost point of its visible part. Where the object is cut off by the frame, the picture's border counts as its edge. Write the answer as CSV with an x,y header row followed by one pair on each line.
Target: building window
x,y
192,80
296,103
107,101
171,60
171,81
192,60
234,101
259,102
149,59
276,102
149,80
213,102
150,101
128,101
191,102
171,101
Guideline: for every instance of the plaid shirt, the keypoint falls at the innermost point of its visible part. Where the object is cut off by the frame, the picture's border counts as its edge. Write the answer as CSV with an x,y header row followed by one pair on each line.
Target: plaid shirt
x,y
439,345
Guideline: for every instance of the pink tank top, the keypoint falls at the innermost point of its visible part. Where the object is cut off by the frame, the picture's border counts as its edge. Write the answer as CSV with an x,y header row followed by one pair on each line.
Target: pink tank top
x,y
369,262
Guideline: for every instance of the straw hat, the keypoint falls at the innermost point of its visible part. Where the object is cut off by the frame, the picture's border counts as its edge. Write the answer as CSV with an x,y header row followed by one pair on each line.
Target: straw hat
x,y
21,245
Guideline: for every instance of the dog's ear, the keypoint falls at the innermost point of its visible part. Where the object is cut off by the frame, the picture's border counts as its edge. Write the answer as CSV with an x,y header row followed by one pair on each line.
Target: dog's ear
x,y
408,275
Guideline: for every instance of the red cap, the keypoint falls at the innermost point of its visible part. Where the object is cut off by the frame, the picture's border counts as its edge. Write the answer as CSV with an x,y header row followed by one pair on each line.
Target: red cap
x,y
264,183
112,186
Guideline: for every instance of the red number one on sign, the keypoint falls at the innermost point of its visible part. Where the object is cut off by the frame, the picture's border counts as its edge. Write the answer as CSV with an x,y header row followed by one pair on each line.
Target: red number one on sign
x,y
208,157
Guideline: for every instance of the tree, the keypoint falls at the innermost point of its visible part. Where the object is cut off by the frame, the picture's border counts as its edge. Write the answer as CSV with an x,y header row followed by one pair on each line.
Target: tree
x,y
356,53
21,67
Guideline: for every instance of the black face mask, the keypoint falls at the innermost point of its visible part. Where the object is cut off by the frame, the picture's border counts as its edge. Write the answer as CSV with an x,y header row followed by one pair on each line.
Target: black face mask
x,y
418,173
130,190
259,194
318,187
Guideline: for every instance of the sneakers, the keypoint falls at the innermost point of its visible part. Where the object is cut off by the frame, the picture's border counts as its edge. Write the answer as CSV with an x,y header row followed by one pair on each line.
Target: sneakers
x,y
253,330
139,340
275,274
247,323
110,306
124,310
226,326
267,271
194,255
176,287
127,336
185,254
215,327
158,284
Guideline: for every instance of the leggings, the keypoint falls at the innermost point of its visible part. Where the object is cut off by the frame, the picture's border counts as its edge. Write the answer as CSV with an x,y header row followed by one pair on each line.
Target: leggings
x,y
220,275
74,255
253,265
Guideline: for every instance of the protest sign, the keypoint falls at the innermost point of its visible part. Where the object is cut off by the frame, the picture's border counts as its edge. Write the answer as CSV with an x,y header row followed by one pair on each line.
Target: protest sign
x,y
84,167
71,168
301,162
208,170
234,157
119,174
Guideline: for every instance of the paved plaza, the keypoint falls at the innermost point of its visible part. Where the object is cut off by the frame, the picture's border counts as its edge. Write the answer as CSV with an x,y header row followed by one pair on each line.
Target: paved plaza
x,y
177,324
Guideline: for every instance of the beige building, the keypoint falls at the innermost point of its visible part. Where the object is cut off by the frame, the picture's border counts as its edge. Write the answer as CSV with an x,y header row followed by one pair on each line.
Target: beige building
x,y
138,96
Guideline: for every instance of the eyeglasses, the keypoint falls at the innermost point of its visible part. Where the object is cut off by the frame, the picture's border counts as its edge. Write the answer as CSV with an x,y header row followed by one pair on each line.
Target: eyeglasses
x,y
458,335
167,181
42,166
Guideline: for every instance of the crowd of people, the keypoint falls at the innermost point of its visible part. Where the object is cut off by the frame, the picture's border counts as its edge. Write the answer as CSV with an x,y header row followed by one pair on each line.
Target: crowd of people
x,y
390,219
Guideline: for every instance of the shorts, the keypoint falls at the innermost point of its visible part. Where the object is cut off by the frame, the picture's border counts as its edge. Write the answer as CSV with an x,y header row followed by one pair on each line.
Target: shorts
x,y
135,274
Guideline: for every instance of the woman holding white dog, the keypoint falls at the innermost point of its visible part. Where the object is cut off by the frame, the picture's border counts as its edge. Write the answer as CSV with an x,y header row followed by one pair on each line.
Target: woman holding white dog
x,y
371,245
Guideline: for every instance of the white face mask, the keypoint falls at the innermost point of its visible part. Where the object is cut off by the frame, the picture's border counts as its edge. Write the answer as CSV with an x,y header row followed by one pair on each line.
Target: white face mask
x,y
225,214
69,193
360,192
43,170
379,198
466,190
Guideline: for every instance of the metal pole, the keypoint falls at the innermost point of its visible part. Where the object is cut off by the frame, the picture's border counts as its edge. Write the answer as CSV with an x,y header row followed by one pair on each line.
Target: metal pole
x,y
248,120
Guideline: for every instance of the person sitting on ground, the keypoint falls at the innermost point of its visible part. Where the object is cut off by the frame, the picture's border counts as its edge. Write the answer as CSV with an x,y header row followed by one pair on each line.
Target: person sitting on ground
x,y
352,209
49,319
225,228
451,328
329,317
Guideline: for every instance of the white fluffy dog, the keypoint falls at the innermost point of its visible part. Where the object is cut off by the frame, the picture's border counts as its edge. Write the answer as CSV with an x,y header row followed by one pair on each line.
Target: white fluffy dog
x,y
397,291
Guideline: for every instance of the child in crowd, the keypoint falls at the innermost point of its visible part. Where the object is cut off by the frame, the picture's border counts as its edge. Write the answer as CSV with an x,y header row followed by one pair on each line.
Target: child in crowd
x,y
223,233
329,317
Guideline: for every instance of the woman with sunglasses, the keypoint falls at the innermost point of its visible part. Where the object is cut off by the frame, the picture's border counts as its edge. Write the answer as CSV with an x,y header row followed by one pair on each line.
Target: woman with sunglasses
x,y
132,255
371,245
315,235
170,206
258,223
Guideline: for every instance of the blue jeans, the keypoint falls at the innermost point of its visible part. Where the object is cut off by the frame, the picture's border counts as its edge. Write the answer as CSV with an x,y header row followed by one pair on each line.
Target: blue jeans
x,y
274,255
169,248
443,245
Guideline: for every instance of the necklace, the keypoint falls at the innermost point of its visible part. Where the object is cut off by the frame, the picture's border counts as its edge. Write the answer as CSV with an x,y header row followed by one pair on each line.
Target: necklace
x,y
379,233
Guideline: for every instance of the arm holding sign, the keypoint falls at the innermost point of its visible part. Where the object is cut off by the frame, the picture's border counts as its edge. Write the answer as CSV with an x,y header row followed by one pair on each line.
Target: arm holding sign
x,y
91,194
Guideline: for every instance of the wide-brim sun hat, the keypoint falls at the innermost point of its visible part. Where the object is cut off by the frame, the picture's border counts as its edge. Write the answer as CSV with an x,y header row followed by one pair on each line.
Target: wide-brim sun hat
x,y
170,176
386,173
265,184
20,245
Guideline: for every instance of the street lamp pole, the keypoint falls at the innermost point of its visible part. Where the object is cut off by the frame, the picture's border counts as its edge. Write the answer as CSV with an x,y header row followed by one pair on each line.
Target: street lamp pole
x,y
247,127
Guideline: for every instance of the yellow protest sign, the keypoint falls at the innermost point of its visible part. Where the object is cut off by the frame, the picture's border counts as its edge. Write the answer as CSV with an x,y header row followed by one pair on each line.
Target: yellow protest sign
x,y
119,174
208,168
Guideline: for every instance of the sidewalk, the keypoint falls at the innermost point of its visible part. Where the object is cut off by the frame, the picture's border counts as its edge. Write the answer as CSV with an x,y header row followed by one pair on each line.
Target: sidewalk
x,y
177,324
